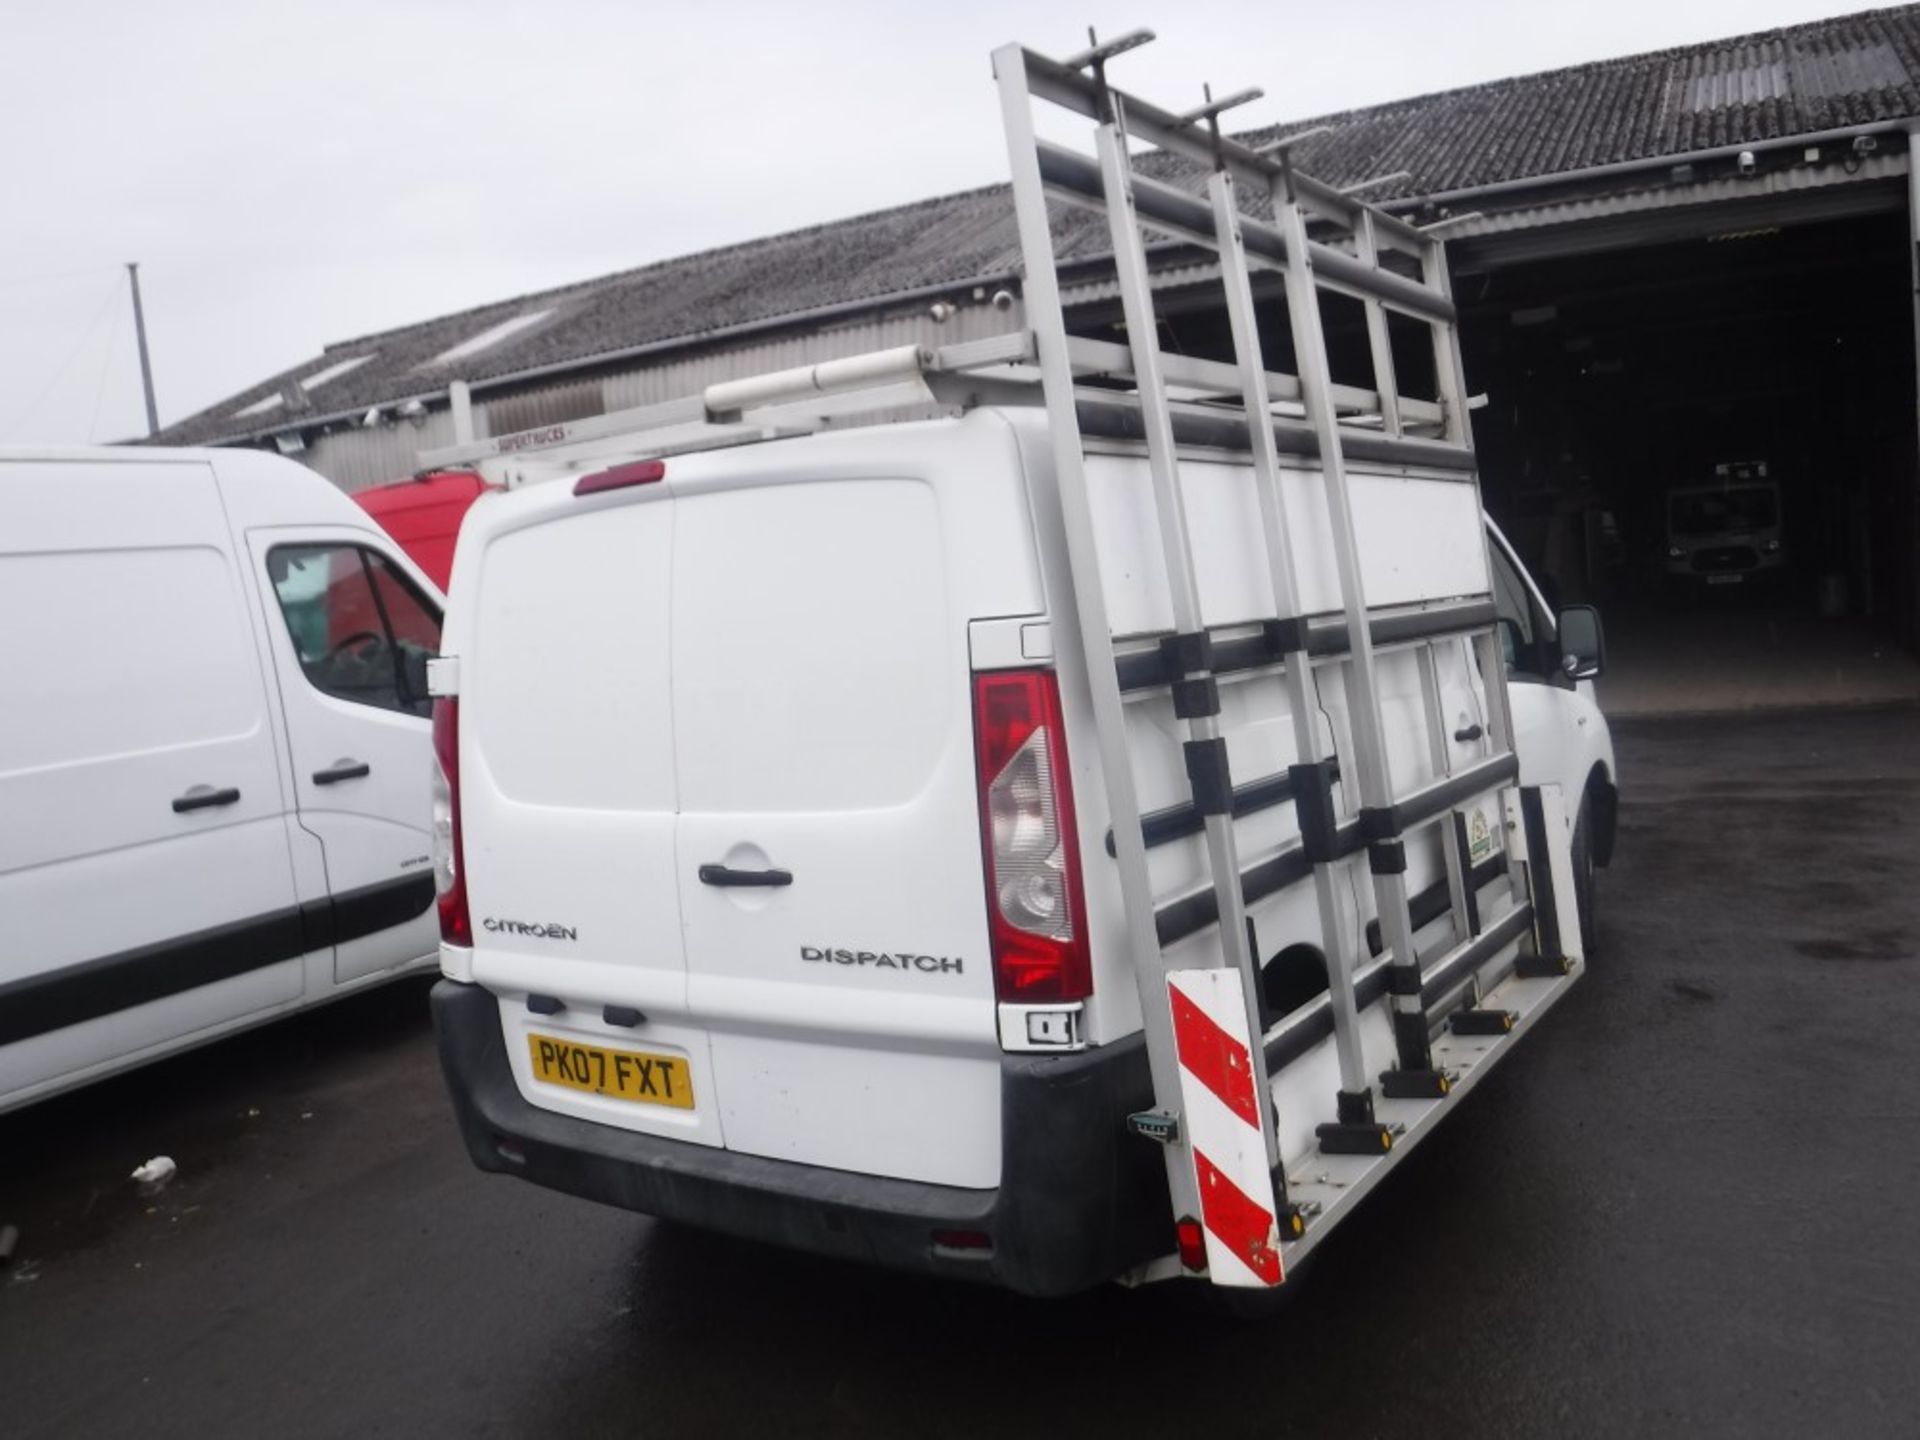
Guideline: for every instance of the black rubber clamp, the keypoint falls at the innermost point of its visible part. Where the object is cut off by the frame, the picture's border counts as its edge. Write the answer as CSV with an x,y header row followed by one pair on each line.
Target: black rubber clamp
x,y
1387,857
1354,1139
1540,967
1482,1022
1403,979
1416,1084
1355,1107
1208,775
1284,637
1313,805
1193,699
1186,652
1379,822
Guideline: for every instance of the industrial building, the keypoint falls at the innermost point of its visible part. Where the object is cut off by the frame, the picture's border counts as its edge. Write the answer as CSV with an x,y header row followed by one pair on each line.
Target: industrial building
x,y
1672,269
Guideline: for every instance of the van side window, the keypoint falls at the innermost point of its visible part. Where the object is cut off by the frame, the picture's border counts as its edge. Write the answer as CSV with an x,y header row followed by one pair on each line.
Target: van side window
x,y
360,628
1520,630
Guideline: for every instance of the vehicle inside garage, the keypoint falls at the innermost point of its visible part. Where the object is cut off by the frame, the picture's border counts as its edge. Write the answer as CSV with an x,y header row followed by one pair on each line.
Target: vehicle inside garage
x,y
1715,440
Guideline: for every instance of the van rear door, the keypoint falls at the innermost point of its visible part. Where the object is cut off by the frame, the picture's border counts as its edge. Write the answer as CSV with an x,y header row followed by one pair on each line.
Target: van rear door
x,y
568,796
829,845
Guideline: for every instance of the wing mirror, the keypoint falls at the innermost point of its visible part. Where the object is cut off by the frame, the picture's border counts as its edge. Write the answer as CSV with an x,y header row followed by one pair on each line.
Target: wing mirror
x,y
1583,644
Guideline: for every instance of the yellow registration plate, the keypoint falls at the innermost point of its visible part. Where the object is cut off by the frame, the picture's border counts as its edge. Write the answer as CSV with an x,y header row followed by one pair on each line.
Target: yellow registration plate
x,y
646,1078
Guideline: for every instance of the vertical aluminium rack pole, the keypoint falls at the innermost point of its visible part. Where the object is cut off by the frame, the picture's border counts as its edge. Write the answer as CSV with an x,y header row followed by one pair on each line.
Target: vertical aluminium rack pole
x,y
1203,1021
1196,695
1386,854
1355,1088
1075,518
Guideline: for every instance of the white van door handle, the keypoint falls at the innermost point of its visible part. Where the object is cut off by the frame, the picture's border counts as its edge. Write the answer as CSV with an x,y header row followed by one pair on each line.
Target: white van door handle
x,y
342,770
204,797
726,875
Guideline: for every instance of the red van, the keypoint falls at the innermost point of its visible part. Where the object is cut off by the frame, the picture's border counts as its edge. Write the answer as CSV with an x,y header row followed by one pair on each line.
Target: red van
x,y
423,514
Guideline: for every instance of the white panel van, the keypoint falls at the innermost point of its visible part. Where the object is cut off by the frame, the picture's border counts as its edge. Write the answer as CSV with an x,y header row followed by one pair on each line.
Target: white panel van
x,y
214,742
723,739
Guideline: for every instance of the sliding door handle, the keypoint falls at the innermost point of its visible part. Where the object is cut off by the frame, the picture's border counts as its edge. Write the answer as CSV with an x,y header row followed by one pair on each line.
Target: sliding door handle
x,y
726,876
204,797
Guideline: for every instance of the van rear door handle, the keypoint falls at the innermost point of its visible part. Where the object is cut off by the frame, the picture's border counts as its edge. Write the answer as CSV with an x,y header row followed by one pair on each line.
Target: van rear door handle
x,y
1472,732
204,797
342,770
726,875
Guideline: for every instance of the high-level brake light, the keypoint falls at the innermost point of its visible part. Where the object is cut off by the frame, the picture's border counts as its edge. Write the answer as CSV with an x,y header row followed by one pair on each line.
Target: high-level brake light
x,y
640,472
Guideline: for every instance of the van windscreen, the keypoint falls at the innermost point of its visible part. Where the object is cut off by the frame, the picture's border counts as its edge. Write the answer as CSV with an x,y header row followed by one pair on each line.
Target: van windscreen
x,y
1710,512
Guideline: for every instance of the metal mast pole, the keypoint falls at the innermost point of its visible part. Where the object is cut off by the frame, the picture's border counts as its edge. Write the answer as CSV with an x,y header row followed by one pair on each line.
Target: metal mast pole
x,y
146,365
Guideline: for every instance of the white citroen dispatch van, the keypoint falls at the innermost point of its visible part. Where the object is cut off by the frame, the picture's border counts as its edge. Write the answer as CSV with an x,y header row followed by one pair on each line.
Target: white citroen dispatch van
x,y
214,742
778,893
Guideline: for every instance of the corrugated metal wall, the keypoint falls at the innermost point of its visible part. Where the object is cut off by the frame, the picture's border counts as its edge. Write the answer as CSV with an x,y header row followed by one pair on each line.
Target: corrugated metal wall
x,y
354,459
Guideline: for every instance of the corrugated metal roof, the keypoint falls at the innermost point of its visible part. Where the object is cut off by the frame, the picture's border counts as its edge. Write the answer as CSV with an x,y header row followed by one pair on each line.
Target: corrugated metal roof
x,y
1855,70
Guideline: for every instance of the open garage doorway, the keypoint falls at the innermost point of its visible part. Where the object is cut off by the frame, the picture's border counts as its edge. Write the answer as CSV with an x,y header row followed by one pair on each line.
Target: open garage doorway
x,y
1715,441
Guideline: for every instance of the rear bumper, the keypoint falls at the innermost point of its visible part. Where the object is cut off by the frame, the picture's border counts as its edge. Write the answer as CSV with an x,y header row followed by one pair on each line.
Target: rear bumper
x,y
1080,1200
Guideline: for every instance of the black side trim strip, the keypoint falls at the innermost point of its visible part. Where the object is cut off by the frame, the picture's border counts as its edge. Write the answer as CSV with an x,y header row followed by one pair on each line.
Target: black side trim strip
x,y
1190,914
370,909
1422,805
1503,932
1284,1049
59,998
1374,984
1431,903
38,1004
1176,822
1326,635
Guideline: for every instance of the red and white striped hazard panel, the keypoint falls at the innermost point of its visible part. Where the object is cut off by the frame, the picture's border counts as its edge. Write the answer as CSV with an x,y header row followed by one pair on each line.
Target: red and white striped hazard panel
x,y
1220,1104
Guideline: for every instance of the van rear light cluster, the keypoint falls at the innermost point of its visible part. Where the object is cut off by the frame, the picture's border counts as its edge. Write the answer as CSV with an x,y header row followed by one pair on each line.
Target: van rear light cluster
x,y
449,858
1036,907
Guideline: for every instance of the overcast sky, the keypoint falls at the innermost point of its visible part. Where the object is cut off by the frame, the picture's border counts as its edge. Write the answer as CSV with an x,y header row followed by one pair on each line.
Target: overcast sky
x,y
293,174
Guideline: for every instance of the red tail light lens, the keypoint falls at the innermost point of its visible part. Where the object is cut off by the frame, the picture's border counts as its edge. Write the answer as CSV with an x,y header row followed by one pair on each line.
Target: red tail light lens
x,y
1036,908
449,860
1192,1242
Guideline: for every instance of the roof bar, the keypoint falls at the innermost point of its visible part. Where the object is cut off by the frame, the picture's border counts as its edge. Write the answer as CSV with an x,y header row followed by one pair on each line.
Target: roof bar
x,y
1287,142
1117,417
1104,357
1168,208
1051,80
1215,107
1107,49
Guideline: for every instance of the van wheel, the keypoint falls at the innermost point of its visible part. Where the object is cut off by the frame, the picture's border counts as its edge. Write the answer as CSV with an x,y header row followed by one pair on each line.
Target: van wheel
x,y
1583,886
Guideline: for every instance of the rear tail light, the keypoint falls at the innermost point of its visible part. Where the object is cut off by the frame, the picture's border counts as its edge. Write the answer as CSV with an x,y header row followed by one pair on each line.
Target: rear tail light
x,y
449,859
1036,909
1192,1243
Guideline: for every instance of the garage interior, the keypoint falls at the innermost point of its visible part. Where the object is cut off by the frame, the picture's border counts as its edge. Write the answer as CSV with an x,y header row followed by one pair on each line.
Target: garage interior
x,y
1617,367
1614,378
